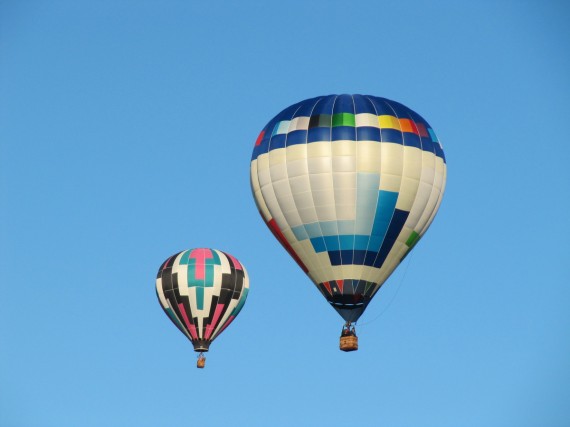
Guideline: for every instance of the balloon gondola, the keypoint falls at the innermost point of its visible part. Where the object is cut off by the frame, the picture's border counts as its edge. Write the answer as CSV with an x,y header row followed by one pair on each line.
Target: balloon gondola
x,y
348,184
202,291
348,338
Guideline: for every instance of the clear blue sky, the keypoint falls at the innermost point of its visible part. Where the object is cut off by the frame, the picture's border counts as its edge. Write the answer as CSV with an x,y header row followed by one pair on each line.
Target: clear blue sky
x,y
126,130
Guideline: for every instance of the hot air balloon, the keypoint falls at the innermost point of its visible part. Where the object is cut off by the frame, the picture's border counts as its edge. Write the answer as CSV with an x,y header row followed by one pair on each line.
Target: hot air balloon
x,y
202,291
348,184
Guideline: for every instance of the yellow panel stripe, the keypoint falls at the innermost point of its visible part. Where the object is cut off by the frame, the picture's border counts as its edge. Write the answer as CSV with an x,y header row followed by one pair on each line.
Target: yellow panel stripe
x,y
389,122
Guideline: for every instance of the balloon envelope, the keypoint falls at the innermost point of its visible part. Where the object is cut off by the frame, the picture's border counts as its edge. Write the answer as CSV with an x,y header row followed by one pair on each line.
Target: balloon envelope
x,y
202,291
348,184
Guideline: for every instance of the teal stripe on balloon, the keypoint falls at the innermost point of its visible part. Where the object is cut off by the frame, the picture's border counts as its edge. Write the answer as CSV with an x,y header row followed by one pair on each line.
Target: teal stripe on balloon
x,y
374,243
361,242
241,302
384,211
184,259
318,244
332,243
199,297
329,228
281,128
300,233
346,242
432,135
313,230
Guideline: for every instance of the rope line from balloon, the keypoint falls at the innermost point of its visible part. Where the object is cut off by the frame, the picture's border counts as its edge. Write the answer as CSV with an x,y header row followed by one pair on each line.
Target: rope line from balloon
x,y
393,296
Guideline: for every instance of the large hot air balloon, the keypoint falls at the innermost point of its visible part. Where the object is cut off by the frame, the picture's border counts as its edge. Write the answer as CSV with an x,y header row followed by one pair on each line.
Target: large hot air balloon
x,y
348,184
202,291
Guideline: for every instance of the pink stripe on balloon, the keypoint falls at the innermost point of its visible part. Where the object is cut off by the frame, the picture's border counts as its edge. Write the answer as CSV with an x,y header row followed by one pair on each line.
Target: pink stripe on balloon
x,y
200,255
191,327
193,332
237,265
167,261
210,328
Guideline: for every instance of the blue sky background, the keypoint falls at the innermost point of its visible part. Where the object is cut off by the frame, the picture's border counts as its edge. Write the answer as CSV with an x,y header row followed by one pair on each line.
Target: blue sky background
x,y
126,130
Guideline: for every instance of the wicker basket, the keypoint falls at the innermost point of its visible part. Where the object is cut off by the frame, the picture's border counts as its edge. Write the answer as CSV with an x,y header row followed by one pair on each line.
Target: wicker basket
x,y
349,343
201,362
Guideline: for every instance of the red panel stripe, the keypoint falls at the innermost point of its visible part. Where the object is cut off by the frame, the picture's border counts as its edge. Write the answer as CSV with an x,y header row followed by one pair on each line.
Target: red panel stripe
x,y
422,130
259,138
414,127
279,235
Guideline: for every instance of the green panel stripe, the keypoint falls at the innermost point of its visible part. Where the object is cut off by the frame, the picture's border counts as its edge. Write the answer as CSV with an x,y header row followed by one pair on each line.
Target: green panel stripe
x,y
413,239
343,119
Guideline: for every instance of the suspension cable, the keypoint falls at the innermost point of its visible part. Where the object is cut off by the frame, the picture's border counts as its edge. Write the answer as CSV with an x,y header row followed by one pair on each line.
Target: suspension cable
x,y
393,296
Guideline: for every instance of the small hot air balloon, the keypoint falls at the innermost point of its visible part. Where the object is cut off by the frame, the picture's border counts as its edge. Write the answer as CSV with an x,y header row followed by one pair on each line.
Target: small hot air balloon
x,y
202,291
348,184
